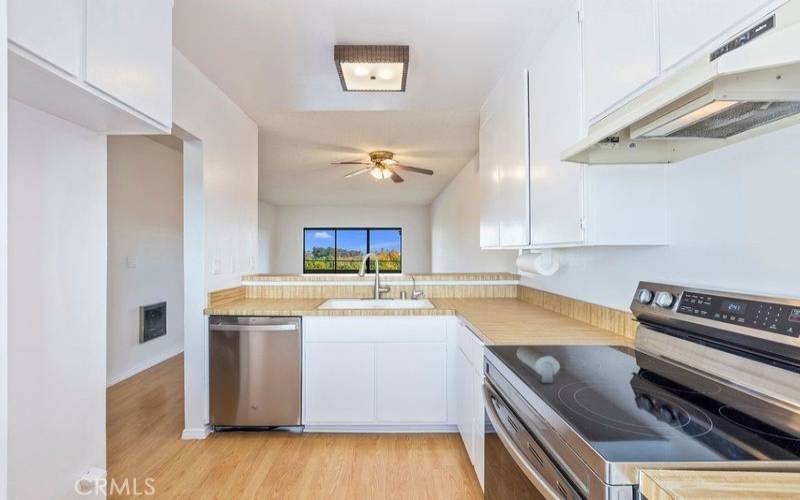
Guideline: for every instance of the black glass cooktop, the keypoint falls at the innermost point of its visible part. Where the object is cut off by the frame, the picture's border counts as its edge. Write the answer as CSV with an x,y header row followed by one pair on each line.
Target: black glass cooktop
x,y
631,407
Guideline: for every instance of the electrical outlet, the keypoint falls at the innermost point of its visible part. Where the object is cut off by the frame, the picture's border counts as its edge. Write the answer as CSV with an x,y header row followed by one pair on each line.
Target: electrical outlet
x,y
216,265
130,262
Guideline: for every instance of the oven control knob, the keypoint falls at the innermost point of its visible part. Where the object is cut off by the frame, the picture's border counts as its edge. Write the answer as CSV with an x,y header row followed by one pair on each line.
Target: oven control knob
x,y
644,296
667,415
665,300
646,403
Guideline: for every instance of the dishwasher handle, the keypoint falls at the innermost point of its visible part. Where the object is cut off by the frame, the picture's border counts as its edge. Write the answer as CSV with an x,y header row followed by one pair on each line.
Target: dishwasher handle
x,y
288,327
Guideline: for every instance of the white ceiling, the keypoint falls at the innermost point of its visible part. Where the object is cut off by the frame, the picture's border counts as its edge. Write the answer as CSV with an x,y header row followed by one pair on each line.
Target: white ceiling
x,y
277,56
296,149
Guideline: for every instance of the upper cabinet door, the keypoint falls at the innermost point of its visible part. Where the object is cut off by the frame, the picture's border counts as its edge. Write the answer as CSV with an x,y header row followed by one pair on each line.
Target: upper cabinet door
x,y
620,51
555,124
512,161
50,29
688,25
489,183
129,53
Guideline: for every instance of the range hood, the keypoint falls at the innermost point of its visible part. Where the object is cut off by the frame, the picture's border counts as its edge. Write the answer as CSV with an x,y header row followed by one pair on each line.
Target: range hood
x,y
747,87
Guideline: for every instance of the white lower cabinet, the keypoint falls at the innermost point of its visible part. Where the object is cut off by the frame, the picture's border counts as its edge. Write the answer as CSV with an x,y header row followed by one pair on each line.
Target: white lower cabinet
x,y
469,393
464,399
339,382
376,372
395,373
411,382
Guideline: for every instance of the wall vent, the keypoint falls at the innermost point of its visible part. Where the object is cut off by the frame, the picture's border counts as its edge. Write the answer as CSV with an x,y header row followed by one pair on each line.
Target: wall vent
x,y
152,321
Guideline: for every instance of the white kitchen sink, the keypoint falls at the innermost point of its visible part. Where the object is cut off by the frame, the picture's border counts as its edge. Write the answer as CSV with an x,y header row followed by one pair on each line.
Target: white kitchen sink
x,y
376,304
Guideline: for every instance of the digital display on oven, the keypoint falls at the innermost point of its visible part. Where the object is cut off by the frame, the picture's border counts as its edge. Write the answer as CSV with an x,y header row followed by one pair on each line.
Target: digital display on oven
x,y
794,315
731,307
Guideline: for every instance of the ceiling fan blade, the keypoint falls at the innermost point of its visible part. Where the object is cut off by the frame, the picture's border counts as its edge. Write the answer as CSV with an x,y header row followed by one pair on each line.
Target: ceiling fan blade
x,y
357,172
350,163
414,169
396,178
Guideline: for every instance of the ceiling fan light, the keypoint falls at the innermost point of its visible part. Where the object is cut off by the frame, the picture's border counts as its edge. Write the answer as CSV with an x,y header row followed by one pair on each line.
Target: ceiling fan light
x,y
380,173
389,162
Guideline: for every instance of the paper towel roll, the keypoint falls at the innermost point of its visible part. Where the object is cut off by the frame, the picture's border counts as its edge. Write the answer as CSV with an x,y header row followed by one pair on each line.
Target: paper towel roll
x,y
544,263
545,366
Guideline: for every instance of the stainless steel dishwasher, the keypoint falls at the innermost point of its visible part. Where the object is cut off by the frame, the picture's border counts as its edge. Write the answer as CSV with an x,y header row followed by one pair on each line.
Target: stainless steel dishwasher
x,y
255,371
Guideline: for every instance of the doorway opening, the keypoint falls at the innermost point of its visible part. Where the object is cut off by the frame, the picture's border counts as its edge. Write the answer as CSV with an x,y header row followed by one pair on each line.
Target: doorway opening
x,y
145,303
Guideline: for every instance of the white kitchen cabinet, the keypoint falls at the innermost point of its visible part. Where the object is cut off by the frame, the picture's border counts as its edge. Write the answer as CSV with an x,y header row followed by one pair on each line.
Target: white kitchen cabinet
x,y
570,204
489,185
339,381
555,124
688,25
376,372
411,382
129,53
620,51
470,409
465,394
105,65
50,29
504,164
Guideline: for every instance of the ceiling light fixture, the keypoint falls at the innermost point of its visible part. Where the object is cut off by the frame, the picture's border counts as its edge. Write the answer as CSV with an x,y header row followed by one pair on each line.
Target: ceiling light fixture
x,y
372,68
380,173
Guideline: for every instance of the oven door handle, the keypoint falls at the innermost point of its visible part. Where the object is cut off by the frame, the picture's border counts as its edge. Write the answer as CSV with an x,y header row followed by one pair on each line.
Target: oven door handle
x,y
533,476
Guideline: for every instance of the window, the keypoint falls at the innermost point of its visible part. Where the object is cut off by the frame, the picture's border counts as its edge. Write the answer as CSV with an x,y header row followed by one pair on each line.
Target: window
x,y
340,250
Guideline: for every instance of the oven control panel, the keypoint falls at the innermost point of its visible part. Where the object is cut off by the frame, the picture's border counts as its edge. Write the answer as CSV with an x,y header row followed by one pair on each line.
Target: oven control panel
x,y
771,317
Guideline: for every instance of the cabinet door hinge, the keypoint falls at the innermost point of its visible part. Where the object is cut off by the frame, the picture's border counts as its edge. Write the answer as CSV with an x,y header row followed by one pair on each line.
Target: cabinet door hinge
x,y
582,223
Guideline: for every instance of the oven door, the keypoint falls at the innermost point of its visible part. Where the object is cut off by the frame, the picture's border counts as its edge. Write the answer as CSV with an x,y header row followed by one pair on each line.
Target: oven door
x,y
516,467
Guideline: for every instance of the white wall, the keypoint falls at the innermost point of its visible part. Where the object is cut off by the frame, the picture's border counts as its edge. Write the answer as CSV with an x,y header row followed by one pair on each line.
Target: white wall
x,y
57,313
455,229
266,236
145,253
230,172
227,143
414,220
3,251
732,223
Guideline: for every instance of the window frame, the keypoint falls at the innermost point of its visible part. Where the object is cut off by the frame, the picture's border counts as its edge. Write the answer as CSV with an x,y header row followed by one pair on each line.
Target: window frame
x,y
335,230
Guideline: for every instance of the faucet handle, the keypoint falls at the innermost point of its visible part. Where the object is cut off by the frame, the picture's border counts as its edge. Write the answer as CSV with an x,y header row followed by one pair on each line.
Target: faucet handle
x,y
417,294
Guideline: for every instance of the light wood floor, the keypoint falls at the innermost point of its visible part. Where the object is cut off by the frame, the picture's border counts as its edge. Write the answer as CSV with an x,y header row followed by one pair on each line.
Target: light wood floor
x,y
145,419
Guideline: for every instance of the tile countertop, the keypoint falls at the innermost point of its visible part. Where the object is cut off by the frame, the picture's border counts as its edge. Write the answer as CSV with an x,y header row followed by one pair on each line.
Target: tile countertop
x,y
388,277
496,321
722,485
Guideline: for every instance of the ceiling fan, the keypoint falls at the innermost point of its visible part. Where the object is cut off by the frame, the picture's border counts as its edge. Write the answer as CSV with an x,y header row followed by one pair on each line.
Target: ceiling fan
x,y
382,165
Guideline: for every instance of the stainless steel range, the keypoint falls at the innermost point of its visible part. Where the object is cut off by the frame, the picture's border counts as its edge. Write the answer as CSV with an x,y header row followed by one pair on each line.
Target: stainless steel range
x,y
712,383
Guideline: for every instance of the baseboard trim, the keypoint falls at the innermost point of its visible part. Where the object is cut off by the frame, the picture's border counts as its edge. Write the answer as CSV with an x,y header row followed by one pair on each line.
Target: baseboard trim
x,y
194,434
384,429
144,366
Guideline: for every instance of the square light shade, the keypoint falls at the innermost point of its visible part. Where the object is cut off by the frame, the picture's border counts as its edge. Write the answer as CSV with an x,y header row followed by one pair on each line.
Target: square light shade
x,y
372,68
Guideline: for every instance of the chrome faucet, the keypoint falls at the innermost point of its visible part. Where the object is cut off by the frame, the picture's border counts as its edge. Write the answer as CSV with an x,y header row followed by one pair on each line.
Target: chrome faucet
x,y
378,288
